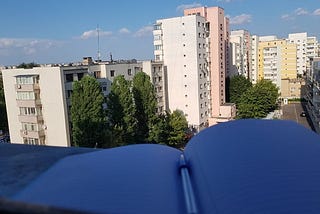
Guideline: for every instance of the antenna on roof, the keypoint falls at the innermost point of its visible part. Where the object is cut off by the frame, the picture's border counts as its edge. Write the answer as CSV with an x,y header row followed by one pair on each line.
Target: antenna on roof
x,y
98,32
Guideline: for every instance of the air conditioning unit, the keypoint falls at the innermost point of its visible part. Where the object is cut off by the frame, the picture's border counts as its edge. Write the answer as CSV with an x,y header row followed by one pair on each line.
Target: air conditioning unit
x,y
19,86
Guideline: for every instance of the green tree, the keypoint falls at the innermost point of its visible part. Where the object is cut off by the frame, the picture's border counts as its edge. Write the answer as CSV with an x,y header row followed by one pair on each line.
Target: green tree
x,y
28,65
88,121
161,129
258,101
178,129
237,86
121,113
3,111
146,105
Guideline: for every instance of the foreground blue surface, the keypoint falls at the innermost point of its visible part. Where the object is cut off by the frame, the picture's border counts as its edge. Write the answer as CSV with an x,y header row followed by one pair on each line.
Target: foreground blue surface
x,y
244,166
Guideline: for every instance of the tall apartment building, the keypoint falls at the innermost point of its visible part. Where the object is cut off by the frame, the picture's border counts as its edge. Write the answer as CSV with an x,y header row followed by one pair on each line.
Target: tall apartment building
x,y
277,60
181,44
217,37
38,100
254,61
307,47
241,54
194,48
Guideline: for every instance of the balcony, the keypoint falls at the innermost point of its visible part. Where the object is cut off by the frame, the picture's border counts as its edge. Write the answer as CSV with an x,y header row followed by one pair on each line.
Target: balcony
x,y
30,118
27,87
29,103
32,134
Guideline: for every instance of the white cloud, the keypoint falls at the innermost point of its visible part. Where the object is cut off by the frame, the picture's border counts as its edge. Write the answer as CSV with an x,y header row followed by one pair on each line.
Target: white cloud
x,y
241,19
124,30
287,17
144,31
94,33
182,7
300,11
316,12
26,46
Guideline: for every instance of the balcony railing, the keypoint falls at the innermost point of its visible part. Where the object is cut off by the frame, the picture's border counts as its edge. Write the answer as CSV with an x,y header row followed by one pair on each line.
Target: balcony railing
x,y
27,87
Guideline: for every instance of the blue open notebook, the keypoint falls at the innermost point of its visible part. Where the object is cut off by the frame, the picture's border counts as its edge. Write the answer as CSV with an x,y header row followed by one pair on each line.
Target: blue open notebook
x,y
243,166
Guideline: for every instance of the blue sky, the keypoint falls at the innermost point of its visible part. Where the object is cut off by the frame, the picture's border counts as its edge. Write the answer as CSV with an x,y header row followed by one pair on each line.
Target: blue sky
x,y
57,31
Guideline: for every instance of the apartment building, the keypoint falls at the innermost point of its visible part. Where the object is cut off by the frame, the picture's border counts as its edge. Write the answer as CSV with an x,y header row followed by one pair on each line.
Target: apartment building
x,y
158,77
313,93
307,47
277,60
241,54
36,105
254,56
217,37
181,44
38,100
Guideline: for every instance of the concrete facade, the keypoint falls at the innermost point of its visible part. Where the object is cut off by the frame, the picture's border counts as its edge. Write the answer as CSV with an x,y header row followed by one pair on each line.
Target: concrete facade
x,y
36,106
276,61
241,54
217,27
180,43
313,93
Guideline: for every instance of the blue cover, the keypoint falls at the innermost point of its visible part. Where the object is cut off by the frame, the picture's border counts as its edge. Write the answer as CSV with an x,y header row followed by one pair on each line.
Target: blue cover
x,y
120,180
256,166
243,166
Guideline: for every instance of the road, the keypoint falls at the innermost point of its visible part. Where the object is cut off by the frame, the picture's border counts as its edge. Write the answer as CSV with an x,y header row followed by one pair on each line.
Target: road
x,y
292,111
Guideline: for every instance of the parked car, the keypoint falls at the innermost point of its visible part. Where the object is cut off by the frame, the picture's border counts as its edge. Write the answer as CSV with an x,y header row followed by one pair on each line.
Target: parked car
x,y
303,114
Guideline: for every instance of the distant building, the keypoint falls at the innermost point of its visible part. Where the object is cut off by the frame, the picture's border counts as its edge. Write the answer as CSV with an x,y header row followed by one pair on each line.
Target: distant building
x,y
241,54
254,57
307,47
292,88
277,60
180,43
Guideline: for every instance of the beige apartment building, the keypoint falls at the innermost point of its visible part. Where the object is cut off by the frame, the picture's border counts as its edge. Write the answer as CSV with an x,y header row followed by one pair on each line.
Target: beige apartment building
x,y
38,100
36,106
277,60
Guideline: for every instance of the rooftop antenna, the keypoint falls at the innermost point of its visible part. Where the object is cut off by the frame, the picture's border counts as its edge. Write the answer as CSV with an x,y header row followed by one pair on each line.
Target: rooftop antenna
x,y
98,32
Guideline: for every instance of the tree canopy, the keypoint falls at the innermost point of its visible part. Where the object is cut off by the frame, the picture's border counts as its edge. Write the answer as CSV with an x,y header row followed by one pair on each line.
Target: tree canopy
x,y
28,65
258,100
146,105
87,113
238,85
121,113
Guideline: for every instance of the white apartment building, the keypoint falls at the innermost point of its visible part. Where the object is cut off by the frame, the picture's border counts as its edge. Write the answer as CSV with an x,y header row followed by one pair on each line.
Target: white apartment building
x,y
300,39
36,106
240,53
181,43
254,61
38,100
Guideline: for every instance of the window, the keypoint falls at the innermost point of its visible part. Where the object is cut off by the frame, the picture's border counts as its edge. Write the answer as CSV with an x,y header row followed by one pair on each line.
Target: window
x,y
157,37
30,127
80,75
30,111
31,141
158,47
129,72
22,95
104,88
69,77
27,79
157,27
112,73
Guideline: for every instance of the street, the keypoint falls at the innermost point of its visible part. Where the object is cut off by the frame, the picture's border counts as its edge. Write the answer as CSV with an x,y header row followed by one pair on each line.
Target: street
x,y
292,111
